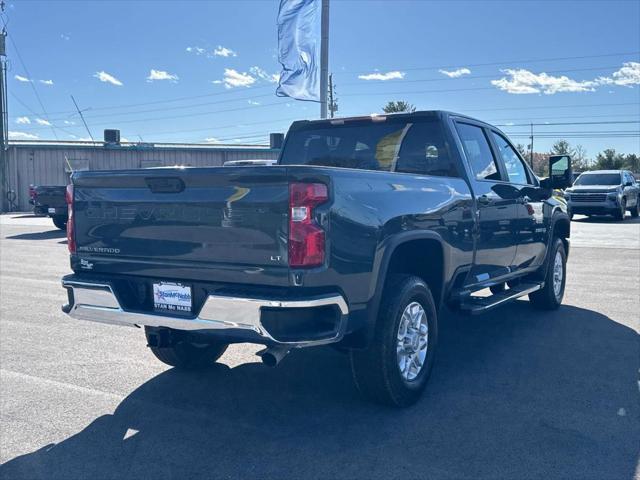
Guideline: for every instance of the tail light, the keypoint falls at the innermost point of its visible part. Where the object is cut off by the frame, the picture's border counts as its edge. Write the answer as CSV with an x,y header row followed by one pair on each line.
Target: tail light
x,y
32,192
71,233
306,237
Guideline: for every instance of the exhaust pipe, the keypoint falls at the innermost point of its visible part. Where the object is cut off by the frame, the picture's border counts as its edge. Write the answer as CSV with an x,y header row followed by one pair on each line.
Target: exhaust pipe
x,y
271,356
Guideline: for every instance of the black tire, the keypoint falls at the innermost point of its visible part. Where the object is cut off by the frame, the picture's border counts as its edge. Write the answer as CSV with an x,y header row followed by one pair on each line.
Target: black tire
x,y
546,298
498,288
60,222
619,215
375,369
635,211
187,355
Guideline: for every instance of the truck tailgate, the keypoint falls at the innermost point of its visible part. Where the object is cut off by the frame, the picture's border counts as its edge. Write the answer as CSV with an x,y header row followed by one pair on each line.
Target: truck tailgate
x,y
206,217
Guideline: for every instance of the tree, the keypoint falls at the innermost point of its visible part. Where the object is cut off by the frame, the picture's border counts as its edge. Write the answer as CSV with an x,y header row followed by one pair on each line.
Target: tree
x,y
632,162
610,160
522,149
398,107
562,147
580,160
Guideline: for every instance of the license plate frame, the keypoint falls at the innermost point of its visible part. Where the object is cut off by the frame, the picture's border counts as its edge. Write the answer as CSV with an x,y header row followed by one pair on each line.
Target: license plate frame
x,y
173,298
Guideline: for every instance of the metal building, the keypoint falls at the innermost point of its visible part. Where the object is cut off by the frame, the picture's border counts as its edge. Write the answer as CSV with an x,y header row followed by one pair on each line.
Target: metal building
x,y
50,163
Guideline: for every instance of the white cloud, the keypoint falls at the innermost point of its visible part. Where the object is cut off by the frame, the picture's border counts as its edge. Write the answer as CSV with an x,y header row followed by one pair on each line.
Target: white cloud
x,y
261,73
69,122
161,75
23,120
46,82
65,37
382,76
233,78
43,122
253,102
107,78
455,73
522,81
211,140
221,51
20,78
22,136
196,50
626,76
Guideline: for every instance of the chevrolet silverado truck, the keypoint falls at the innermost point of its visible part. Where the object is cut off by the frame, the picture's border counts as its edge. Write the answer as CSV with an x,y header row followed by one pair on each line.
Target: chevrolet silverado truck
x,y
359,235
604,192
50,200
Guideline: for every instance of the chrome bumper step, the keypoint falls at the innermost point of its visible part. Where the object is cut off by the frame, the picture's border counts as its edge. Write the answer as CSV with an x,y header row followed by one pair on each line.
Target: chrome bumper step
x,y
478,305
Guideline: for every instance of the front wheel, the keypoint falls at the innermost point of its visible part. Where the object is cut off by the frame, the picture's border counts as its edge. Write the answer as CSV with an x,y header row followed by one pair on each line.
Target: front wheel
x,y
187,355
635,211
60,222
551,295
395,367
619,215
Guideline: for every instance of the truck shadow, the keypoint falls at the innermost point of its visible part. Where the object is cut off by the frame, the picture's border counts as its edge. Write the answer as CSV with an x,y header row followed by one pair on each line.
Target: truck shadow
x,y
46,235
514,394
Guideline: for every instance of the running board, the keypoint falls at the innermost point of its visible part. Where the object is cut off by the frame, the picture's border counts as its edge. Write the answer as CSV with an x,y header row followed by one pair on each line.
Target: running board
x,y
478,305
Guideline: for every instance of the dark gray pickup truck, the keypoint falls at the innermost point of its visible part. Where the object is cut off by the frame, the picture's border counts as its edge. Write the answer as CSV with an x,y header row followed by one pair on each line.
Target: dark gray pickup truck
x,y
50,200
358,236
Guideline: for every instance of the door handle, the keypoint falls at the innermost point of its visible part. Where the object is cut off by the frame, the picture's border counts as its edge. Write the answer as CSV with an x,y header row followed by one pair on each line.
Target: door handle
x,y
484,200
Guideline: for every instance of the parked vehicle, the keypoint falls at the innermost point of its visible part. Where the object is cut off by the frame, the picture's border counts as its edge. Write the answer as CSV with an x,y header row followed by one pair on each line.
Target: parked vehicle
x,y
50,201
357,237
604,192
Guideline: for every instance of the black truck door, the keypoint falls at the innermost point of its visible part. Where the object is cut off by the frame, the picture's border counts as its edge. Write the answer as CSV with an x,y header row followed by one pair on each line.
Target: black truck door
x,y
496,213
530,225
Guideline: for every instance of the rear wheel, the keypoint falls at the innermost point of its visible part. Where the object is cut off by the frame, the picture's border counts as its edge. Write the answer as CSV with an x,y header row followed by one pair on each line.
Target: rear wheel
x,y
185,354
551,295
395,367
60,222
635,211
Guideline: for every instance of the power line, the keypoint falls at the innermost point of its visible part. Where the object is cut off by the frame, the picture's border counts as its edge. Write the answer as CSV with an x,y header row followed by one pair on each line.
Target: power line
x,y
606,122
33,86
487,64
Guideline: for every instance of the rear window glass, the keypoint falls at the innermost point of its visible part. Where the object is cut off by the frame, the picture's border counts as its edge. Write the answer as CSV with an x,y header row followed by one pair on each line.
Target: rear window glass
x,y
410,147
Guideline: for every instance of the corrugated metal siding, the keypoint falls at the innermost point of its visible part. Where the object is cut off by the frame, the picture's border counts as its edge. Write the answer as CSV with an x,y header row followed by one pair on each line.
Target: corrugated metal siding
x,y
42,165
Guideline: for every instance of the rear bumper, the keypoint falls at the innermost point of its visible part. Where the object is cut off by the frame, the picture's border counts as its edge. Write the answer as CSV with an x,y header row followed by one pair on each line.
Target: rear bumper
x,y
238,319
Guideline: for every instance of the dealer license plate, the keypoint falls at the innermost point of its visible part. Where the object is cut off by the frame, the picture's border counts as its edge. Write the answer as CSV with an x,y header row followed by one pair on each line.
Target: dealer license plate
x,y
172,297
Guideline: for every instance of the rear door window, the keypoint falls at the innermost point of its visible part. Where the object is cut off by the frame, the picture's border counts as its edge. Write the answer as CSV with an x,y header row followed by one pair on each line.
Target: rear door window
x,y
476,148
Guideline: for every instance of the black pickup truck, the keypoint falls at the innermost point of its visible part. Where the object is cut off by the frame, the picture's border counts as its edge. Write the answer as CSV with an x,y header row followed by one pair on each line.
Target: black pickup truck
x,y
50,200
358,236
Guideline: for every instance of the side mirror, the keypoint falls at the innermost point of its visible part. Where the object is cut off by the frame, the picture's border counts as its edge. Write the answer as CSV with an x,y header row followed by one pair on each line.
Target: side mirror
x,y
560,173
628,184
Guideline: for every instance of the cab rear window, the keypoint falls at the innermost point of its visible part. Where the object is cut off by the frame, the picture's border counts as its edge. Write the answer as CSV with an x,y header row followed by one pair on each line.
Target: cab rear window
x,y
416,146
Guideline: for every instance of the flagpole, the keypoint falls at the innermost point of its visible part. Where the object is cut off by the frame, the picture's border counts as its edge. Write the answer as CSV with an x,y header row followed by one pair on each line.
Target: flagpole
x,y
324,58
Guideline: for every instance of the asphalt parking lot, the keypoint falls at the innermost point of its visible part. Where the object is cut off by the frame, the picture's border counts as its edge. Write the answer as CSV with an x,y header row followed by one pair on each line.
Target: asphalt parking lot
x,y
514,394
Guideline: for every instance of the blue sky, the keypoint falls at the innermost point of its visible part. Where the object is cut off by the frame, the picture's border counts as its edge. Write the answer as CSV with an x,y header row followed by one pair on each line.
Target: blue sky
x,y
203,71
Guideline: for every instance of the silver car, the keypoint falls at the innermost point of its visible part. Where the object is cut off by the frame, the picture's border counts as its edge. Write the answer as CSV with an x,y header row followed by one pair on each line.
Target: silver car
x,y
604,192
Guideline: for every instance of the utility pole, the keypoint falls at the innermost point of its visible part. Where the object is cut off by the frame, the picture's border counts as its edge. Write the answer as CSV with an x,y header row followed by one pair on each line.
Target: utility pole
x,y
333,101
4,157
531,146
324,58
